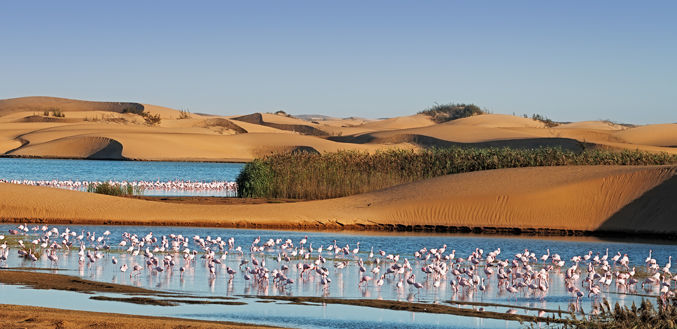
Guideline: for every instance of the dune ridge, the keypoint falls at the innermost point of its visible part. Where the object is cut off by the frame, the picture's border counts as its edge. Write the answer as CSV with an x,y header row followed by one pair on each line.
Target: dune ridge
x,y
548,199
44,103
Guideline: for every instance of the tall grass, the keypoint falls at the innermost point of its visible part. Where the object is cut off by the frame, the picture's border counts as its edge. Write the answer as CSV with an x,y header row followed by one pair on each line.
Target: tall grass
x,y
114,189
331,175
646,316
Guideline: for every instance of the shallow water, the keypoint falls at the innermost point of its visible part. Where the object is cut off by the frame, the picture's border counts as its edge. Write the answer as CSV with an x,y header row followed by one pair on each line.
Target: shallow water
x,y
197,279
103,170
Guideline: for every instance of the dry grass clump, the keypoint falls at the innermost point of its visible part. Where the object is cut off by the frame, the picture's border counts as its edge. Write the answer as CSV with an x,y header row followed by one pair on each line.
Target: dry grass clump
x,y
184,114
547,121
150,119
55,113
304,175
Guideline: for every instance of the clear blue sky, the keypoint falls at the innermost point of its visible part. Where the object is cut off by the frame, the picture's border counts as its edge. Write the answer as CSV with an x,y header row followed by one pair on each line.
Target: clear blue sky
x,y
569,60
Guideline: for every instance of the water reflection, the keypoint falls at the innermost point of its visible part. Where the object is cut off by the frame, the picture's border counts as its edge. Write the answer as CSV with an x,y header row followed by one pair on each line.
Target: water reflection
x,y
205,277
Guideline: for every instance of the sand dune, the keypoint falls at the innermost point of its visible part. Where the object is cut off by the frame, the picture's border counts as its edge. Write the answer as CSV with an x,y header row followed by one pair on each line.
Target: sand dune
x,y
95,129
144,143
597,125
497,121
166,112
405,122
511,131
585,198
656,135
41,103
87,147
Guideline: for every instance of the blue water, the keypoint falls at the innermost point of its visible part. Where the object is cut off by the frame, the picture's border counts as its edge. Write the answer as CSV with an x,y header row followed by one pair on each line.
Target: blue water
x,y
103,170
197,279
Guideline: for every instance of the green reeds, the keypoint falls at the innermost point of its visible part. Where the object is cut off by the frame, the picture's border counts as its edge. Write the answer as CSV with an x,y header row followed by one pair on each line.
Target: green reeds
x,y
114,189
331,175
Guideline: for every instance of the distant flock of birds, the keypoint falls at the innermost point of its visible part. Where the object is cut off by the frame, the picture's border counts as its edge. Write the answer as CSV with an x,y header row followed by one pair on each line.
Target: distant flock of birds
x,y
522,274
174,185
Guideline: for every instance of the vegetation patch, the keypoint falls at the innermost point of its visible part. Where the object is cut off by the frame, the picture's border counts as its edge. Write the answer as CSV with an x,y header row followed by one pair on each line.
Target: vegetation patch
x,y
150,119
136,300
447,112
548,123
184,114
646,316
55,112
114,189
304,175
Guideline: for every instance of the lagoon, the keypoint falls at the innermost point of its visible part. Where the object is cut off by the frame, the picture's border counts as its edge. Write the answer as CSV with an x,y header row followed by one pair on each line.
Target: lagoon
x,y
106,170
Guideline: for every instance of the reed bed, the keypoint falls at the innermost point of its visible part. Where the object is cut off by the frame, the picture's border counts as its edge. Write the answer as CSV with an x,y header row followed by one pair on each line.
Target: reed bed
x,y
331,175
115,189
646,316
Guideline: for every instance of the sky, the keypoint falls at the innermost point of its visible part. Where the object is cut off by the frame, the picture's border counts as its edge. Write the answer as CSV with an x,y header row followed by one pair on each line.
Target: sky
x,y
567,60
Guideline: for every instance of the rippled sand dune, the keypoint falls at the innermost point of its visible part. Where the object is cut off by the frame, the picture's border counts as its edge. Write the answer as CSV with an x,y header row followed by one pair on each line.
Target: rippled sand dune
x,y
580,198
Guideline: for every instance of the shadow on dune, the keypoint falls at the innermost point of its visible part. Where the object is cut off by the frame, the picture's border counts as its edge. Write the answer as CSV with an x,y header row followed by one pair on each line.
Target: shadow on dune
x,y
655,212
428,141
257,118
112,151
71,147
39,118
223,123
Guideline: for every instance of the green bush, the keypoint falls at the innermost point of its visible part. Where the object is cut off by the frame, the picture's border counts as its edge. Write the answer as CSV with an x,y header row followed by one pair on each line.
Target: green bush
x,y
447,112
255,180
114,189
320,176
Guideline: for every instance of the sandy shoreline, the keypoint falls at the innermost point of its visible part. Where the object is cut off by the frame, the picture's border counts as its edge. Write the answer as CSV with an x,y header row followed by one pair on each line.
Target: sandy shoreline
x,y
544,200
18,316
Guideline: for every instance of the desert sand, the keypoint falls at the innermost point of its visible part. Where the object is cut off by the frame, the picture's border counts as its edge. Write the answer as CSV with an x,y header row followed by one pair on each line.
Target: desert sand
x,y
100,130
637,199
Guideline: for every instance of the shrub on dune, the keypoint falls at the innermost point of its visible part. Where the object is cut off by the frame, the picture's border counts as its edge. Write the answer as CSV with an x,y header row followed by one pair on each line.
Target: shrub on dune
x,y
447,112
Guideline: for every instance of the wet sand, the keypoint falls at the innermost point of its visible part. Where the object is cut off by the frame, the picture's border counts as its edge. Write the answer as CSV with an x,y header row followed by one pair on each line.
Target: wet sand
x,y
17,316
38,280
425,308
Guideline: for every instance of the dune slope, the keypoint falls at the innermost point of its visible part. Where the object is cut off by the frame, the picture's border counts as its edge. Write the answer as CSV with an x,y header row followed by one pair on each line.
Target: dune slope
x,y
581,198
43,103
